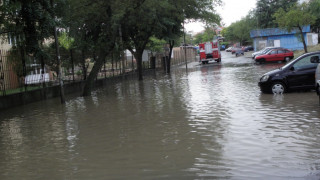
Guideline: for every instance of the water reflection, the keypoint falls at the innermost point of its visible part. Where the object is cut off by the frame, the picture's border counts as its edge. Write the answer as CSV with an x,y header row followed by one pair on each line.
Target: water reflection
x,y
210,124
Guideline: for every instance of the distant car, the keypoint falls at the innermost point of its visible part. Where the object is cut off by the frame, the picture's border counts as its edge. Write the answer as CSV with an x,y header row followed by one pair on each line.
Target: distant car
x,y
248,48
229,49
280,54
262,51
236,49
298,74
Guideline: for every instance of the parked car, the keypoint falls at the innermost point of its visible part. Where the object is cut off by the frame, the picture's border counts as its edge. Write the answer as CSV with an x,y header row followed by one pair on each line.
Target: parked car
x,y
297,75
229,49
248,48
236,49
280,54
316,59
262,51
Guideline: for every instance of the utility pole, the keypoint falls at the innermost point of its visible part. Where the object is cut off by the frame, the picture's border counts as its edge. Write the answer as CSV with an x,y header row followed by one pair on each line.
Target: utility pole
x,y
185,48
62,97
122,53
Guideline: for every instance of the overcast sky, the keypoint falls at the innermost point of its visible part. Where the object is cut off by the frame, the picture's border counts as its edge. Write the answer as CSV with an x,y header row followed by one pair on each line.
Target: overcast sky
x,y
231,11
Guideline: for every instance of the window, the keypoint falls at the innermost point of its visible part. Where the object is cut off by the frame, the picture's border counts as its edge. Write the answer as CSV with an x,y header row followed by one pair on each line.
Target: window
x,y
273,52
281,51
305,63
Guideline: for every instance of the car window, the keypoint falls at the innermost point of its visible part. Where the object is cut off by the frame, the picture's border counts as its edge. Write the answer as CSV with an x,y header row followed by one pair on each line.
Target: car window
x,y
305,63
280,51
273,52
266,50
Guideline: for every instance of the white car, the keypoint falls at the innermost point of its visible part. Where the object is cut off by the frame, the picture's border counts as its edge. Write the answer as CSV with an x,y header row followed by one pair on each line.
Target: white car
x,y
229,49
262,51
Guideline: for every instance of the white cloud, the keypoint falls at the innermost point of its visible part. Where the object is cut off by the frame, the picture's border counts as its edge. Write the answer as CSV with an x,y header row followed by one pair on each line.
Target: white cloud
x,y
231,11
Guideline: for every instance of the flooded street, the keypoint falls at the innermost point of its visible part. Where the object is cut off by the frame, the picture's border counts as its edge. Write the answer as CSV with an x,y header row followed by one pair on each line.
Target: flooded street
x,y
212,123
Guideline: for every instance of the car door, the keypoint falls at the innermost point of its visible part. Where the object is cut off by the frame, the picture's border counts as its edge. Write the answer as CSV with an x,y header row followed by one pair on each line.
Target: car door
x,y
272,55
280,54
301,74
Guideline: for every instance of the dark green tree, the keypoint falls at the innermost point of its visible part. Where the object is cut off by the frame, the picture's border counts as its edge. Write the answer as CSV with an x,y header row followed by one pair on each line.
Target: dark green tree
x,y
266,8
240,30
314,9
295,18
95,30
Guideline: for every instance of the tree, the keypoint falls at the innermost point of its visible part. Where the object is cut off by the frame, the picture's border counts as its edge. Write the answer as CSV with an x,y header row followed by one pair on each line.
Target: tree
x,y
266,8
95,30
205,36
295,17
30,23
240,30
314,9
67,43
162,19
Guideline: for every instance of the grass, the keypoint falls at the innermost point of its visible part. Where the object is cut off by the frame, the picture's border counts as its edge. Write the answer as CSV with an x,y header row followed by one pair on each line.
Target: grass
x,y
298,53
19,90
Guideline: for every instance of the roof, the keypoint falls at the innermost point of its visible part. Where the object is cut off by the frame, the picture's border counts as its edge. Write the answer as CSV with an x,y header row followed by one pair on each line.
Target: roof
x,y
275,32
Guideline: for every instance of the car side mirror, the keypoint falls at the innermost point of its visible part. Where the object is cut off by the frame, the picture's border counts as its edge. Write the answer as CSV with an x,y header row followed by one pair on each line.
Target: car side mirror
x,y
292,68
269,53
314,59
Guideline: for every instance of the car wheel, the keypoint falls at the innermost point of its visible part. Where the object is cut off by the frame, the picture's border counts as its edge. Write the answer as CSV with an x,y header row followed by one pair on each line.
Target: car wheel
x,y
286,59
260,61
278,88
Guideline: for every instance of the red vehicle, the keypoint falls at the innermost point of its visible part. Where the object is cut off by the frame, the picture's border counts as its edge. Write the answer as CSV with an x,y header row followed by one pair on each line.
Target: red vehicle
x,y
275,55
209,51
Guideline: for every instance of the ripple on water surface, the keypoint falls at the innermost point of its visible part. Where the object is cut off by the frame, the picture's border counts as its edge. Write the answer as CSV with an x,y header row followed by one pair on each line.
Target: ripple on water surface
x,y
210,124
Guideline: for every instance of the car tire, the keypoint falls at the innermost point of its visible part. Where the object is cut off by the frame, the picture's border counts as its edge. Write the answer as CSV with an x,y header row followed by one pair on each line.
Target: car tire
x,y
286,59
278,88
260,61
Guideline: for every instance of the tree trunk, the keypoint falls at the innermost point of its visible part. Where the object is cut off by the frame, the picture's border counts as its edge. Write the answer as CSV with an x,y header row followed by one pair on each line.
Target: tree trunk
x,y
24,69
171,44
303,41
84,69
93,74
72,64
138,56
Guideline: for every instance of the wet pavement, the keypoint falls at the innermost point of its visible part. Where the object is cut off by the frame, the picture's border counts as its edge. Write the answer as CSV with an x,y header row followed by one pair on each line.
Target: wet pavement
x,y
210,123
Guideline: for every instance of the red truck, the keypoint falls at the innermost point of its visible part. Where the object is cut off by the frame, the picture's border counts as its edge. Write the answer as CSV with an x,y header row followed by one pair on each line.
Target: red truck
x,y
209,51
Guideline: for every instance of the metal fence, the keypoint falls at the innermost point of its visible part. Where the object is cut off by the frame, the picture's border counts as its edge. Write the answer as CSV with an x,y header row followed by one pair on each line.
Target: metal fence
x,y
14,79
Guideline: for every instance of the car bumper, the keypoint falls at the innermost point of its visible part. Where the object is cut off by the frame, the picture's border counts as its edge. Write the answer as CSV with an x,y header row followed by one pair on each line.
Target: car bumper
x,y
265,86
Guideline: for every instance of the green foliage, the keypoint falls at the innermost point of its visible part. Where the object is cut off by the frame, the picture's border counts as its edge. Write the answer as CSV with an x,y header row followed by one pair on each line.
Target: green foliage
x,y
295,17
207,35
29,22
156,45
314,9
266,8
240,30
66,41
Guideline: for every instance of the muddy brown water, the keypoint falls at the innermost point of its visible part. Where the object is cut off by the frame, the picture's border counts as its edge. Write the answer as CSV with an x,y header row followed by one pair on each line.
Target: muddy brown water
x,y
212,123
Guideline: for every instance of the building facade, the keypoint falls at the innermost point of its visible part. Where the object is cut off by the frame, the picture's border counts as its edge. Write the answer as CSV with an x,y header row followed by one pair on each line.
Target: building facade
x,y
277,37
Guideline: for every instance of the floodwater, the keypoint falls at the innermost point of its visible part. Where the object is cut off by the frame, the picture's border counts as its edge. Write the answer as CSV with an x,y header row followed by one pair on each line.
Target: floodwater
x,y
212,123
